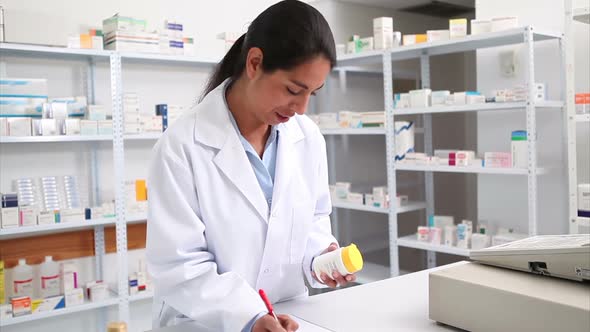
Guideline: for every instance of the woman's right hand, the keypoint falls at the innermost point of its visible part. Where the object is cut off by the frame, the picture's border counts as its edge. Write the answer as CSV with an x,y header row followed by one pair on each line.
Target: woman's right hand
x,y
267,323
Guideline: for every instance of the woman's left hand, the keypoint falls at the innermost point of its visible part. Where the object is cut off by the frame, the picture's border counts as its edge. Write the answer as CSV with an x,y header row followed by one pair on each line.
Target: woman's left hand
x,y
337,279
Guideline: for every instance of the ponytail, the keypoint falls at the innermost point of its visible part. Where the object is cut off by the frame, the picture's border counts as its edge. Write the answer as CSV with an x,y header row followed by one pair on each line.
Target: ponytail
x,y
289,33
229,67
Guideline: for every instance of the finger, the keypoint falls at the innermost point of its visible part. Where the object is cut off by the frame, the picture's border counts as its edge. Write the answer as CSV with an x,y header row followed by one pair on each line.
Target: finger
x,y
332,247
327,281
288,323
275,326
339,278
316,277
350,278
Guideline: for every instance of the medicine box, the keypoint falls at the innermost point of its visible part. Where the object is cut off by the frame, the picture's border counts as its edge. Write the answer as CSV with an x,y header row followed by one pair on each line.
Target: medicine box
x,y
48,304
19,127
21,306
105,127
28,215
504,23
9,217
88,127
74,297
480,26
355,198
458,27
383,33
72,127
436,35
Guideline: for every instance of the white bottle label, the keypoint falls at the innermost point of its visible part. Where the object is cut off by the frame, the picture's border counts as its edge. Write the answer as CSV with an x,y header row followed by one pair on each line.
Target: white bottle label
x,y
23,287
50,285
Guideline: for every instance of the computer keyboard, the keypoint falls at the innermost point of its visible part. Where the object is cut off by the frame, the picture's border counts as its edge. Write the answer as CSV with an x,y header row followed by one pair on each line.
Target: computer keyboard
x,y
547,242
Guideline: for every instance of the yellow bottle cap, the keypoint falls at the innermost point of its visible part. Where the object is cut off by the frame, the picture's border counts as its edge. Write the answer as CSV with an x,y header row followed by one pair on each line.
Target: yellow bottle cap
x,y
352,258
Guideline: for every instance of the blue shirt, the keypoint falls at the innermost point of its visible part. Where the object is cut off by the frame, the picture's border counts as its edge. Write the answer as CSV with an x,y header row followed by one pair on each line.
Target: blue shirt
x,y
264,168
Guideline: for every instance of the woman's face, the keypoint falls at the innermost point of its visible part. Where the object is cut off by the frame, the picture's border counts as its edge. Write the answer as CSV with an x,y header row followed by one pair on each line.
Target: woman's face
x,y
277,96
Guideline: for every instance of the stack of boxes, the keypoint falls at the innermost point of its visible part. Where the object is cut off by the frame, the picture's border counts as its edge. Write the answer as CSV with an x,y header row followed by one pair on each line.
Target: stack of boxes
x,y
348,119
379,197
136,196
139,281
93,39
169,114
22,97
171,41
129,34
131,114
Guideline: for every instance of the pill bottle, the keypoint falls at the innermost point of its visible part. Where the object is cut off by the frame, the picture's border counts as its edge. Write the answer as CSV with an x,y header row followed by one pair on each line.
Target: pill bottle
x,y
346,260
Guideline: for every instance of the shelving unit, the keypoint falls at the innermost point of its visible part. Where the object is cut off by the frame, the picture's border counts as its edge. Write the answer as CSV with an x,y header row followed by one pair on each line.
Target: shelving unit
x,y
518,106
527,36
575,121
114,60
411,206
523,35
469,169
582,14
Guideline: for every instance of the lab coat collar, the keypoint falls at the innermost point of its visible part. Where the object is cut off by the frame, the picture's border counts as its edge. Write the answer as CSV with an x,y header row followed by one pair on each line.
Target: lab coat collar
x,y
212,122
213,128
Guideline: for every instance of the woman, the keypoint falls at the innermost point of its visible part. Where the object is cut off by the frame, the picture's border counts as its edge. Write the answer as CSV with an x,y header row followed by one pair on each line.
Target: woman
x,y
239,197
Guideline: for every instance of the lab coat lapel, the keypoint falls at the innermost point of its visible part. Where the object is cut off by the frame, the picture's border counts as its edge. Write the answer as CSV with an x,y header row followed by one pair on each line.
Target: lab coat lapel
x,y
289,134
234,163
213,128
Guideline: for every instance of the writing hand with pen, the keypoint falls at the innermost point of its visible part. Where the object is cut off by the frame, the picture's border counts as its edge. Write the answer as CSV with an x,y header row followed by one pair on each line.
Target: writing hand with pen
x,y
272,322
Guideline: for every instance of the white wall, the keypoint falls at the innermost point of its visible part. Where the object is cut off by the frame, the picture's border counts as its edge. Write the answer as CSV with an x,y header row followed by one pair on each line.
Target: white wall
x,y
503,200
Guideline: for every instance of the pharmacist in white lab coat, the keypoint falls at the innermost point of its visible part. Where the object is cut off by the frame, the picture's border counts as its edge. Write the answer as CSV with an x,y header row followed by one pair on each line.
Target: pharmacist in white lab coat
x,y
238,187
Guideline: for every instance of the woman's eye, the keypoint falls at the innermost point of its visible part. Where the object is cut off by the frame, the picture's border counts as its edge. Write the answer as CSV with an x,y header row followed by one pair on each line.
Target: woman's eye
x,y
292,92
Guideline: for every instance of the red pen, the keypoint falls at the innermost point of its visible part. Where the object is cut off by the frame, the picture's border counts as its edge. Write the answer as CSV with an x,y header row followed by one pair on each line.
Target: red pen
x,y
267,303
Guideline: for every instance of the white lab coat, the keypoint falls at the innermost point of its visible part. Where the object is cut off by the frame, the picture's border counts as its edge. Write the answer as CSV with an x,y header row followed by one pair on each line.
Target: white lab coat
x,y
211,240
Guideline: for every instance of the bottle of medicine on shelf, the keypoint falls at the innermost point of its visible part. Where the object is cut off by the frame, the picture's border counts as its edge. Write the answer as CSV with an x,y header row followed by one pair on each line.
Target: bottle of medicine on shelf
x,y
22,279
346,260
50,279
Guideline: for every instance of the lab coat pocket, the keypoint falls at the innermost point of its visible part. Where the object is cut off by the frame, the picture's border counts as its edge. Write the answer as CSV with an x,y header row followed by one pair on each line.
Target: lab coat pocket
x,y
300,226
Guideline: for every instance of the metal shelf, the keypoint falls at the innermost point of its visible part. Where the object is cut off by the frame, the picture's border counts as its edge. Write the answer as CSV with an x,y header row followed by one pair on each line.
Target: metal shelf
x,y
468,43
143,136
359,207
55,139
469,169
477,107
411,241
582,117
169,59
15,49
60,312
136,218
582,14
354,131
411,206
145,295
53,228
76,138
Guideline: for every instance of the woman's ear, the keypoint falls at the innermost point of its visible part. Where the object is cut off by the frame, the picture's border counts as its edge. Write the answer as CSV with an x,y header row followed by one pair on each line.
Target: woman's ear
x,y
254,62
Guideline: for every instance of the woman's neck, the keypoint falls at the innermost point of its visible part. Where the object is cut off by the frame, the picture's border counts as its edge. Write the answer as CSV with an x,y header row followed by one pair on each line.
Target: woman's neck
x,y
255,131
